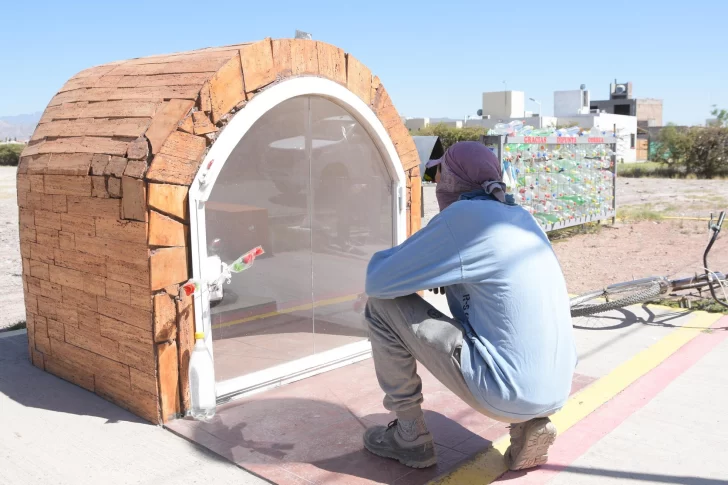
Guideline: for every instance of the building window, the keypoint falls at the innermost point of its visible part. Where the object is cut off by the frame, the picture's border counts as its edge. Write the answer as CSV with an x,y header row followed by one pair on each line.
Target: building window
x,y
632,140
621,109
585,98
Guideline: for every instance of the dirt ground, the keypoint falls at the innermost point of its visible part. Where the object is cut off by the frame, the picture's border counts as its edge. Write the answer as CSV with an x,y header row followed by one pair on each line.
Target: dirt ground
x,y
630,251
589,261
674,197
11,302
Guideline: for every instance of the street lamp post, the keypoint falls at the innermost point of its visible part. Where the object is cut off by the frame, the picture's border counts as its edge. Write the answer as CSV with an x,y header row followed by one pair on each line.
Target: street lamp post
x,y
539,107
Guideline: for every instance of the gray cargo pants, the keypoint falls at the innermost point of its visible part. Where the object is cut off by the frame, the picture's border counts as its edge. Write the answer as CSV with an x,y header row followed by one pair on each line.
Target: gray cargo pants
x,y
406,330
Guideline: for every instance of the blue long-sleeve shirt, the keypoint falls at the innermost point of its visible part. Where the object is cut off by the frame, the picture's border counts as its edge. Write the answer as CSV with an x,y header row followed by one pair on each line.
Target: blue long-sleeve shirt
x,y
505,285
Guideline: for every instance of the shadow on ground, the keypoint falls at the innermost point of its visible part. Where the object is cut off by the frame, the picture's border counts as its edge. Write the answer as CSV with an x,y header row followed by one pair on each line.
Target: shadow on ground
x,y
626,317
317,441
34,388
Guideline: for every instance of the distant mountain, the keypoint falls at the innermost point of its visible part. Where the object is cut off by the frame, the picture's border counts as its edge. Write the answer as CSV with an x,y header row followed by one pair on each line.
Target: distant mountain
x,y
20,127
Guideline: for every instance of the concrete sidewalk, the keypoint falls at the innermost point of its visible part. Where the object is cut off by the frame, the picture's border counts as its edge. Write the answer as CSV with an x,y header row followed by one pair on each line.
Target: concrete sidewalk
x,y
652,412
658,416
53,432
678,437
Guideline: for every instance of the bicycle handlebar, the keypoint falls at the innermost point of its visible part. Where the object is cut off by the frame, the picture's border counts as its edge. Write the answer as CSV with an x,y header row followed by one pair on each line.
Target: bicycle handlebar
x,y
716,230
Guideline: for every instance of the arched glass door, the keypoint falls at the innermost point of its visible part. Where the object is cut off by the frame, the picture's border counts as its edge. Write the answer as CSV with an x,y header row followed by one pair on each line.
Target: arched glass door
x,y
307,183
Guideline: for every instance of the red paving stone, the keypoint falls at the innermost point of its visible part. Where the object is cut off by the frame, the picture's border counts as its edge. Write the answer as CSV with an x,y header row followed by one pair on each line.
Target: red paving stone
x,y
310,431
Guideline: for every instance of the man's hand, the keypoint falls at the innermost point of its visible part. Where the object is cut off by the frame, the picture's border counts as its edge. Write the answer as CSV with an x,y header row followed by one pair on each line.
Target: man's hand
x,y
438,291
361,303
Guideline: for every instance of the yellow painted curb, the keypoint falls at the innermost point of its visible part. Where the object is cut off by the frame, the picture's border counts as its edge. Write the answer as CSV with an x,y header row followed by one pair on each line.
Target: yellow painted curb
x,y
687,218
307,306
487,466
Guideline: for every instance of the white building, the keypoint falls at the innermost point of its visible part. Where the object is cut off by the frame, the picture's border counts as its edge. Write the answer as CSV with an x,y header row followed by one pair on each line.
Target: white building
x,y
571,108
624,126
504,104
414,124
535,121
567,103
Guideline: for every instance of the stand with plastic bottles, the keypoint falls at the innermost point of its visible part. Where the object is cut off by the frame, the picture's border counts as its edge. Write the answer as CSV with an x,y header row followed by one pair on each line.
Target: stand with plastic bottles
x,y
203,398
563,177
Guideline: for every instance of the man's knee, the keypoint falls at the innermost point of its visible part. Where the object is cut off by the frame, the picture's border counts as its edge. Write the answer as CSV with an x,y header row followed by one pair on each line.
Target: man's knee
x,y
379,307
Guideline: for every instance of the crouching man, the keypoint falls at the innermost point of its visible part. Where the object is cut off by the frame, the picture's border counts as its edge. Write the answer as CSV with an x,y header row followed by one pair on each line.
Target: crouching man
x,y
508,352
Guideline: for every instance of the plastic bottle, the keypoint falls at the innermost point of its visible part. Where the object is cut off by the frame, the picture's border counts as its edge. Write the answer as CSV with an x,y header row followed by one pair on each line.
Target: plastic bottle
x,y
501,129
202,381
525,130
515,126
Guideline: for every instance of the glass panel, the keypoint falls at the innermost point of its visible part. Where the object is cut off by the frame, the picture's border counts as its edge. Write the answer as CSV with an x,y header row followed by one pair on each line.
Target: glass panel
x,y
352,219
262,197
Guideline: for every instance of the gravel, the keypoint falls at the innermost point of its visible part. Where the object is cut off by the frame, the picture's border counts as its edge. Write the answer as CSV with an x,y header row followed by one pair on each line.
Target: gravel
x,y
589,261
12,309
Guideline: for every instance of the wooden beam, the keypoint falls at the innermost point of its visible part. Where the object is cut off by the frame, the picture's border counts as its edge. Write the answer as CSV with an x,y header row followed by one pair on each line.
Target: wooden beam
x,y
187,125
134,199
165,318
138,149
165,231
168,266
184,145
202,124
169,199
257,63
185,342
166,120
331,62
304,57
168,365
172,170
282,62
226,88
155,93
358,78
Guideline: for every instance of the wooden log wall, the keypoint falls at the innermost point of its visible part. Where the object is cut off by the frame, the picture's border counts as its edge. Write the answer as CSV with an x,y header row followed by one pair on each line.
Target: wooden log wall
x,y
104,220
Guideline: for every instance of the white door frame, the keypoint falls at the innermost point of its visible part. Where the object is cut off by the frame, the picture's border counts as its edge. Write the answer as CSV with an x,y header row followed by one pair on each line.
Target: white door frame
x,y
202,186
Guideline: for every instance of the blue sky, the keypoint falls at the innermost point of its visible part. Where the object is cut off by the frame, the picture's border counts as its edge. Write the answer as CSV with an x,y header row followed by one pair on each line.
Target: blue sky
x,y
434,57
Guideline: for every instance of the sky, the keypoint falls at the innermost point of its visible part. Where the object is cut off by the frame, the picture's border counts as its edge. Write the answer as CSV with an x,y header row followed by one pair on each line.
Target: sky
x,y
435,58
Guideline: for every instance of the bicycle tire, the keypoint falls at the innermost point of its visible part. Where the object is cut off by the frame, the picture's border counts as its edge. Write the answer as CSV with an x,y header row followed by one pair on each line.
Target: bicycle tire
x,y
584,310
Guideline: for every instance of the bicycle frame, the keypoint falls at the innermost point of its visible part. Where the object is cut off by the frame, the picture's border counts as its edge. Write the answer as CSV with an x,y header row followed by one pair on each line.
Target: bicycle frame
x,y
694,282
716,230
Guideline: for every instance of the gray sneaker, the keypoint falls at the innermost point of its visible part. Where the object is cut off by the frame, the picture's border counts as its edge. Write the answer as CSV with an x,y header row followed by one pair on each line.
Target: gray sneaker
x,y
530,443
386,442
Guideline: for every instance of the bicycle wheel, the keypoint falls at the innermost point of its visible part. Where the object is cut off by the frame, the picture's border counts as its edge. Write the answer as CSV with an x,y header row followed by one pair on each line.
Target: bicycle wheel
x,y
611,298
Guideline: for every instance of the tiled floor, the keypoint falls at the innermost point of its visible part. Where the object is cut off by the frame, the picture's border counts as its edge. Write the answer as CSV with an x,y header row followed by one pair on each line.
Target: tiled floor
x,y
253,346
310,431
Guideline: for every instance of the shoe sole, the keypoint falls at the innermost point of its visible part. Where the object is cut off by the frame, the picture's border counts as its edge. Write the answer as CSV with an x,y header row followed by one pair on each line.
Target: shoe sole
x,y
535,452
403,460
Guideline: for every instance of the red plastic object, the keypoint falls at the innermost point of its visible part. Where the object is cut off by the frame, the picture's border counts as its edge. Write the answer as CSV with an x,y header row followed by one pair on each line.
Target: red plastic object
x,y
189,288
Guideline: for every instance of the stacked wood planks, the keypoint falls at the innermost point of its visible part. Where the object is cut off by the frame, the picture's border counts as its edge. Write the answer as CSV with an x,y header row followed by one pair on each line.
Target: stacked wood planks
x,y
104,222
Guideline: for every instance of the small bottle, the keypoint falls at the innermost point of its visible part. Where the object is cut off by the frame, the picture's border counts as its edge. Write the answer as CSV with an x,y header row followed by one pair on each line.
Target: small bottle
x,y
202,381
